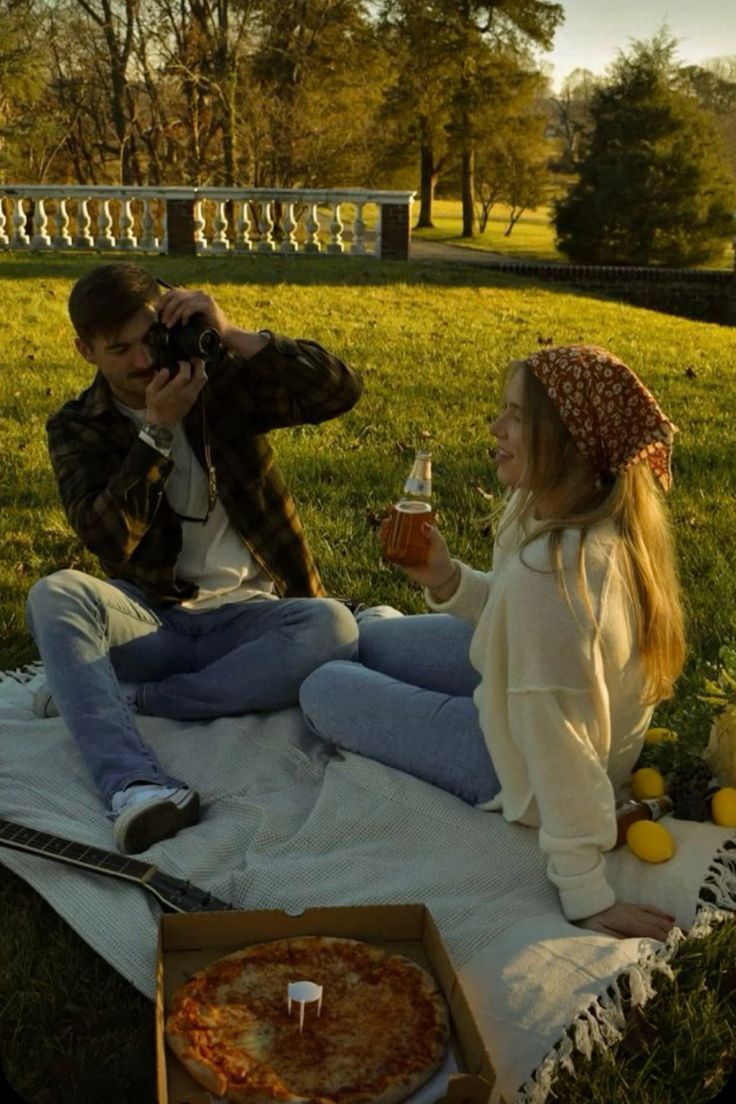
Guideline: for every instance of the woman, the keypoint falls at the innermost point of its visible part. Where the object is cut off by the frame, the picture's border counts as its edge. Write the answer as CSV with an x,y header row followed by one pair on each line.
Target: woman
x,y
534,696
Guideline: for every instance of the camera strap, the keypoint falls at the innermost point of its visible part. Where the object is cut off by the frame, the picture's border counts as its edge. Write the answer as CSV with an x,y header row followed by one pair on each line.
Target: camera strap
x,y
209,466
210,469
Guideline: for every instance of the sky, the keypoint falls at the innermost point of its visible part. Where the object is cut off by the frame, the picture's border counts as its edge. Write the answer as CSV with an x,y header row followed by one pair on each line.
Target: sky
x,y
594,30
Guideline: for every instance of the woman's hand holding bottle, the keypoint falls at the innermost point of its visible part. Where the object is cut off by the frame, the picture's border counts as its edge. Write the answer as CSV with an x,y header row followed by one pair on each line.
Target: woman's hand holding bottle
x,y
440,573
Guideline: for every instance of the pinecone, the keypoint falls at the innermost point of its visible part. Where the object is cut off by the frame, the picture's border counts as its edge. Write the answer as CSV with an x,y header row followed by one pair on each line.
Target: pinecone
x,y
691,786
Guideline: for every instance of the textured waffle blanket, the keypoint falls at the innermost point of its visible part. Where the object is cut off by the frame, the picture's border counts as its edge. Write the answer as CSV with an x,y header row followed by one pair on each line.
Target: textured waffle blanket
x,y
286,824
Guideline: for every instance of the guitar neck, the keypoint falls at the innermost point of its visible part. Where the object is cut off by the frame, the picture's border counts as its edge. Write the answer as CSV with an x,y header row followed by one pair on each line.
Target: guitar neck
x,y
173,893
33,842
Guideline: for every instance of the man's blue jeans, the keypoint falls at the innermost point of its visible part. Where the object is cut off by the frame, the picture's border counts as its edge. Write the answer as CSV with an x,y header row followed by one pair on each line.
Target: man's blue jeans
x,y
241,658
408,703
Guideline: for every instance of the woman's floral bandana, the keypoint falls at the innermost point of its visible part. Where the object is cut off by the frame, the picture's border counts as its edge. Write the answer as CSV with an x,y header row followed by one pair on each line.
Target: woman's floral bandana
x,y
612,417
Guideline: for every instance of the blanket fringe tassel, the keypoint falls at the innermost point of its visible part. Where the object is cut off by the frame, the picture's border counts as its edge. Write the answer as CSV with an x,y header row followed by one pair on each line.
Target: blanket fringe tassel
x,y
603,1023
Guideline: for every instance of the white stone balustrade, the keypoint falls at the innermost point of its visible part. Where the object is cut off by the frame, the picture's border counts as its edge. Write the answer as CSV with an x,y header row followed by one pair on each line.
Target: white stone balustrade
x,y
219,221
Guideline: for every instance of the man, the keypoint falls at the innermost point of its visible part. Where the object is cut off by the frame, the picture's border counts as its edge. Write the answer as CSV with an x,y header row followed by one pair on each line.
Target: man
x,y
212,603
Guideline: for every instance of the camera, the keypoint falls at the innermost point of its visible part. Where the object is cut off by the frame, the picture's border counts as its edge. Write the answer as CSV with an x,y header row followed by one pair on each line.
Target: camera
x,y
191,340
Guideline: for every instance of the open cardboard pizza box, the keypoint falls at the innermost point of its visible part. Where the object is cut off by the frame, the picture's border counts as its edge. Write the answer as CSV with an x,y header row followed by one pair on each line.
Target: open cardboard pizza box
x,y
190,941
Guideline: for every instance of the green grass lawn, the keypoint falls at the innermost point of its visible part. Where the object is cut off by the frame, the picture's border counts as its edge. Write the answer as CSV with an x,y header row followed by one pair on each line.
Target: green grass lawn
x,y
532,239
432,342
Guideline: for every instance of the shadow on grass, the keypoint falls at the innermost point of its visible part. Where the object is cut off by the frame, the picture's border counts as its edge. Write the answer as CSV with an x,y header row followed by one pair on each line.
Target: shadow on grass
x,y
259,270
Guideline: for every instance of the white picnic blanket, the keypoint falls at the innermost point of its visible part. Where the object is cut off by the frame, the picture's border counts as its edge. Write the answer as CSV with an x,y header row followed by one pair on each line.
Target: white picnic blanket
x,y
288,825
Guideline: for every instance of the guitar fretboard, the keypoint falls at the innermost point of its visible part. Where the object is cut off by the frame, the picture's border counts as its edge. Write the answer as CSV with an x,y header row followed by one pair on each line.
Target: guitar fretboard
x,y
79,854
173,893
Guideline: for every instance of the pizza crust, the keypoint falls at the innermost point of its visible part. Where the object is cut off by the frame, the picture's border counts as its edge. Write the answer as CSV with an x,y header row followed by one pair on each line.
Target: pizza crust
x,y
382,1033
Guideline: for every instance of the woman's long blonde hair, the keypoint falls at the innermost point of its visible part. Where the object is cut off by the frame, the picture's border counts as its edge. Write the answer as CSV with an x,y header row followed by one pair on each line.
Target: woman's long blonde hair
x,y
557,472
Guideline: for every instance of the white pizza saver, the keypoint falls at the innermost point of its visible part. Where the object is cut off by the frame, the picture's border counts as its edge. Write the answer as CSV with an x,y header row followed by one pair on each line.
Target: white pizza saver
x,y
303,993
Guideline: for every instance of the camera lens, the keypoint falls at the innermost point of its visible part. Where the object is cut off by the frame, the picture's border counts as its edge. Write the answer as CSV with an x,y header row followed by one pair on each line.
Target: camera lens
x,y
209,343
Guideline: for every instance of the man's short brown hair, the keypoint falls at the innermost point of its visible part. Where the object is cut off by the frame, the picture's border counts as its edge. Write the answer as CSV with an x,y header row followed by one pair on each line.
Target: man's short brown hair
x,y
106,297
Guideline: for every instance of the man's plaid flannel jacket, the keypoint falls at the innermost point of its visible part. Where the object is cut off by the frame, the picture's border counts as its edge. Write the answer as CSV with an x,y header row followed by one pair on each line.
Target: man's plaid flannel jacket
x,y
112,484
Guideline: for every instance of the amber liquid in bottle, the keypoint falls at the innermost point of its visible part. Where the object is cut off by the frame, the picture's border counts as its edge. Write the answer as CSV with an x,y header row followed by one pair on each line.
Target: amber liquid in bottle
x,y
629,812
405,543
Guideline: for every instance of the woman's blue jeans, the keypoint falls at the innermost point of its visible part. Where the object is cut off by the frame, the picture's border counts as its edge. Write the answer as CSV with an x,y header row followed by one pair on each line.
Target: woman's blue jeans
x,y
241,658
407,702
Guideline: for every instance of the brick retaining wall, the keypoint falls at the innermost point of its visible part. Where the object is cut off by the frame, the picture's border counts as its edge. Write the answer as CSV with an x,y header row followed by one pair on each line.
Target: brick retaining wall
x,y
707,295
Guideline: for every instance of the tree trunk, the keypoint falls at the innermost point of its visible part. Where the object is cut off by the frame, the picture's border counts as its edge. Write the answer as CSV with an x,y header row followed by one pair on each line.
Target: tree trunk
x,y
228,150
427,186
468,192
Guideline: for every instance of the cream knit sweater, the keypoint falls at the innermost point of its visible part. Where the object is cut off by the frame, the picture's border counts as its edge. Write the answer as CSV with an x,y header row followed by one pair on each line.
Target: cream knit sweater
x,y
560,698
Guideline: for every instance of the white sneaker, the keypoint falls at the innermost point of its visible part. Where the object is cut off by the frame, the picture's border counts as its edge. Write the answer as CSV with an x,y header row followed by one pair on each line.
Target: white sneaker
x,y
43,704
146,813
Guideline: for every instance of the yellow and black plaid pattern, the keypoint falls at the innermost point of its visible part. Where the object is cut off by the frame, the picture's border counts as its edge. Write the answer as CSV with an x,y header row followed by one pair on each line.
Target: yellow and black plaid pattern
x,y
112,484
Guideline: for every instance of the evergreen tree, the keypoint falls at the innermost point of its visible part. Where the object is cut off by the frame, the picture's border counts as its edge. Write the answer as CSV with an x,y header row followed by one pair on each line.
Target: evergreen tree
x,y
653,187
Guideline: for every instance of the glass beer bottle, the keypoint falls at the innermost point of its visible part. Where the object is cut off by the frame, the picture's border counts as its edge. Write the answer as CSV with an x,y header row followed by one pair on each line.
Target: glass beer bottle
x,y
405,543
651,808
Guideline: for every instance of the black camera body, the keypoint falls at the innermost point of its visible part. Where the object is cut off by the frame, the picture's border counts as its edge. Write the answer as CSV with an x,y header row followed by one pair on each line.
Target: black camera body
x,y
191,340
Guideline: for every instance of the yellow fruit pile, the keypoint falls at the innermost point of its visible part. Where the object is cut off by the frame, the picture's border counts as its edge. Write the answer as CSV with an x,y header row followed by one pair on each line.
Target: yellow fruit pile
x,y
648,839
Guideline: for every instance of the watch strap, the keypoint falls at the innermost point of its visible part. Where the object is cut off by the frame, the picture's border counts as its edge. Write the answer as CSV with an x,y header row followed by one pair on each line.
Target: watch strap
x,y
161,437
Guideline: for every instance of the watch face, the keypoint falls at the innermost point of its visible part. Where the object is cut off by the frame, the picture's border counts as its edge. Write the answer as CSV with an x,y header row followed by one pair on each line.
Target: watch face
x,y
162,435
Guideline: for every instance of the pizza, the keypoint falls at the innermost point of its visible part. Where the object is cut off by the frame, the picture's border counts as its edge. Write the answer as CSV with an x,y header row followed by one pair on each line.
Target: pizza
x,y
381,1032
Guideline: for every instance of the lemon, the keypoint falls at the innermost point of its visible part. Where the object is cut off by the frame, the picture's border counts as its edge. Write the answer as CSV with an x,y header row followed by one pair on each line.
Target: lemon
x,y
723,807
658,735
650,841
647,782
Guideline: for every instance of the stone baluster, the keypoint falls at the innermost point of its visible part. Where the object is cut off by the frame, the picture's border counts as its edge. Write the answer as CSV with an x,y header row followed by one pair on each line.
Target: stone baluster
x,y
219,242
19,238
83,239
289,225
148,239
242,243
104,239
200,242
377,244
335,244
265,227
61,238
126,239
291,221
41,238
358,245
311,227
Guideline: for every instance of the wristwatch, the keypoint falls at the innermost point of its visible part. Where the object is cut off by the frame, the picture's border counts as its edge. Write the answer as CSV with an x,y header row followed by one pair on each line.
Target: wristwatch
x,y
160,436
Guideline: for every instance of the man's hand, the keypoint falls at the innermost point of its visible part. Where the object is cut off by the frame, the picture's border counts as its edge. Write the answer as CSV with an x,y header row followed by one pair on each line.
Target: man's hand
x,y
168,400
624,921
179,304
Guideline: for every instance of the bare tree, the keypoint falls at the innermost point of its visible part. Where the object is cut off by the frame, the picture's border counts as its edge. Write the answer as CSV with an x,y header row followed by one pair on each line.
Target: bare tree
x,y
571,116
115,22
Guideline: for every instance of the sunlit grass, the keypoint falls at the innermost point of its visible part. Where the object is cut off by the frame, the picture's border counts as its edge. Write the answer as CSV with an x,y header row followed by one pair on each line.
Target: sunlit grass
x,y
432,343
532,238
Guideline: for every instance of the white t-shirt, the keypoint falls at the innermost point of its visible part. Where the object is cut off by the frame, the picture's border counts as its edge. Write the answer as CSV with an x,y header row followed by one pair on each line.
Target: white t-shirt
x,y
213,554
